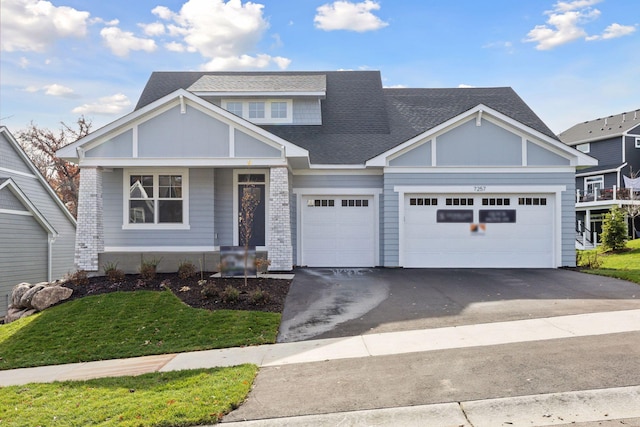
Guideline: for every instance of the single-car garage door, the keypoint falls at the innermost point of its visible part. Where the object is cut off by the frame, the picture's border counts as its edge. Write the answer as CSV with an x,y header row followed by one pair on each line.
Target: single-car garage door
x,y
337,231
473,231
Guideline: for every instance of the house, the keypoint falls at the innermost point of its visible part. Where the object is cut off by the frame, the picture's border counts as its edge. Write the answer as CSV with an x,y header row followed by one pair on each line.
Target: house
x,y
352,174
615,142
37,232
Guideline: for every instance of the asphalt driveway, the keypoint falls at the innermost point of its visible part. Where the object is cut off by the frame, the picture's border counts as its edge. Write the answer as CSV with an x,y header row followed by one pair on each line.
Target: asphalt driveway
x,y
329,303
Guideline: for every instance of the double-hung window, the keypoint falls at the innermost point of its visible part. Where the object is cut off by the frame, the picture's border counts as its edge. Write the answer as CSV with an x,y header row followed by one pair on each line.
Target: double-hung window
x,y
262,111
156,199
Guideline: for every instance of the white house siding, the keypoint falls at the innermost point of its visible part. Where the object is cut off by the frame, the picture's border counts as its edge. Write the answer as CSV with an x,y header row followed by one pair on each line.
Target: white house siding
x,y
390,216
23,254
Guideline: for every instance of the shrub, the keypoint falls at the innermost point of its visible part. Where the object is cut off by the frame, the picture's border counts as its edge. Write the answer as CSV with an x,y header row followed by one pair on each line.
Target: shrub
x,y
79,277
113,273
230,294
588,259
210,291
186,270
614,230
259,297
148,269
262,265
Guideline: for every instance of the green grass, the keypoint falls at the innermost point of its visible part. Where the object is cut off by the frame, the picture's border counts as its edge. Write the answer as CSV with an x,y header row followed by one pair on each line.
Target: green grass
x,y
623,265
183,398
127,324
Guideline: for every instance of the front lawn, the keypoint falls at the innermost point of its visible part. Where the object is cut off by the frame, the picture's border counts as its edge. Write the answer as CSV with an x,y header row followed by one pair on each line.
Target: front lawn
x,y
622,265
127,324
183,398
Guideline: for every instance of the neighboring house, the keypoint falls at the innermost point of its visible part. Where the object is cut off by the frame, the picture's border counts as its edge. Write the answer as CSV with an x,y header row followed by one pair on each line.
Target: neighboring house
x,y
615,142
37,232
352,175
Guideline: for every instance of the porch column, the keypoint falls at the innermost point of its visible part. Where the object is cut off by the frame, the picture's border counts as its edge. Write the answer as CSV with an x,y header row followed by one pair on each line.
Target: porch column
x,y
280,251
89,229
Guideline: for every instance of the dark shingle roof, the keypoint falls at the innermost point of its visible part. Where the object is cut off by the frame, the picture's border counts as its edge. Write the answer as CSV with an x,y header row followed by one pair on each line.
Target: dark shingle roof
x,y
360,119
604,127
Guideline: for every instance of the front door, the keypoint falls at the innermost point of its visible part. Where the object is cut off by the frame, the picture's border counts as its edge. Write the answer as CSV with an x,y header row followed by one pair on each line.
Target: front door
x,y
252,185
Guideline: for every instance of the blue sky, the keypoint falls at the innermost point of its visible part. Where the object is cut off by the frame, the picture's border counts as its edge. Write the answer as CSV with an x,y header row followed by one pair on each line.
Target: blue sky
x,y
570,60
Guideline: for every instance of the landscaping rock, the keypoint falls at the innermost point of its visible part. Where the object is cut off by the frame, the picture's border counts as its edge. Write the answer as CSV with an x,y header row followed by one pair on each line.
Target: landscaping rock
x,y
14,314
25,300
18,291
49,296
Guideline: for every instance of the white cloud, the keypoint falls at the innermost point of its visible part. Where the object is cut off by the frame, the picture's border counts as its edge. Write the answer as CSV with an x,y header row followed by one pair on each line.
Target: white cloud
x,y
122,42
344,15
108,105
566,6
225,32
53,90
153,29
566,24
614,31
34,25
174,47
465,86
396,87
24,63
245,62
58,90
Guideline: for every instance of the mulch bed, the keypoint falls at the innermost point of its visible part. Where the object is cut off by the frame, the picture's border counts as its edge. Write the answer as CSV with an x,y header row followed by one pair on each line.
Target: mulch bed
x,y
271,298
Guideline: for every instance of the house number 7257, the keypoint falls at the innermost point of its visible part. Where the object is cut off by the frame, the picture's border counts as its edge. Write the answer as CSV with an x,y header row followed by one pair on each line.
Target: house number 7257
x,y
479,188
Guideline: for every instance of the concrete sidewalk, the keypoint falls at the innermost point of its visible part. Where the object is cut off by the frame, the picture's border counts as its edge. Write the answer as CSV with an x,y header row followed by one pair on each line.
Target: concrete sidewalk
x,y
583,408
362,346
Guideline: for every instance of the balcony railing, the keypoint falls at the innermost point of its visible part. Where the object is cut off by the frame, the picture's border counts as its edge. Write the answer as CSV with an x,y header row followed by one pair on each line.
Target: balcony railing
x,y
608,194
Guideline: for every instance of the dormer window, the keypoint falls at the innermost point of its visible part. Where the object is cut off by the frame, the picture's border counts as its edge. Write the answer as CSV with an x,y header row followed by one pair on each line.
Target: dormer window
x,y
270,111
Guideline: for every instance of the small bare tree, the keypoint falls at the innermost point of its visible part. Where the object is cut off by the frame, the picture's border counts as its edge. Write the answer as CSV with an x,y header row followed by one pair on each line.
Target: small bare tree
x,y
248,204
632,209
41,145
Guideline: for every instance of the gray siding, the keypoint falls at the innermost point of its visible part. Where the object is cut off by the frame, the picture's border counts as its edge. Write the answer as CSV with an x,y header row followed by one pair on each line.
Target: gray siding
x,y
632,154
9,201
201,219
419,156
391,208
538,156
306,111
607,151
224,206
118,146
486,145
337,181
172,134
10,159
64,246
23,254
247,146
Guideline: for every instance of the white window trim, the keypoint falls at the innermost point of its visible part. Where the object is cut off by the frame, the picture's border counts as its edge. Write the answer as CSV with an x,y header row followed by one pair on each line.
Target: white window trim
x,y
593,179
236,199
156,172
637,143
267,110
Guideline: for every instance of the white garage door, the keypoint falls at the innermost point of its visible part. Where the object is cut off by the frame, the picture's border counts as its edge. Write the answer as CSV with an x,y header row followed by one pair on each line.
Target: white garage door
x,y
472,231
337,231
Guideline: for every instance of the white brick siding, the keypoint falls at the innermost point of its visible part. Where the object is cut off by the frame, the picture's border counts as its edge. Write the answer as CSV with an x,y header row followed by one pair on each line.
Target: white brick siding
x,y
279,245
89,230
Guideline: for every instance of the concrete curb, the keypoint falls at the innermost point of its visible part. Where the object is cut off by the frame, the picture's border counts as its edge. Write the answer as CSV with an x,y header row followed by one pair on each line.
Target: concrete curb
x,y
552,409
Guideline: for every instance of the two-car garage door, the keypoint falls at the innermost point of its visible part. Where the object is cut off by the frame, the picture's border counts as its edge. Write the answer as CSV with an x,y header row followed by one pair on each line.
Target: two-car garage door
x,y
480,231
436,231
